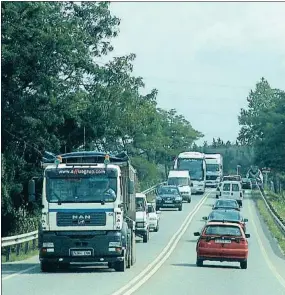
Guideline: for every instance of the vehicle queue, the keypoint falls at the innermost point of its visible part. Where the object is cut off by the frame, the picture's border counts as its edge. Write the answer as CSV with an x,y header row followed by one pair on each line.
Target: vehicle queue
x,y
223,237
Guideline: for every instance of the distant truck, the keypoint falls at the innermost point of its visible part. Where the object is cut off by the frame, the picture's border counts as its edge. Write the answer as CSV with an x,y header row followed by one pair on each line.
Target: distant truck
x,y
183,181
88,211
255,173
214,169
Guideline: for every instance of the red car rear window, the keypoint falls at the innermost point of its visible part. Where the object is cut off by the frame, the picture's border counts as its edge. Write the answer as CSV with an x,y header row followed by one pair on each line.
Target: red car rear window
x,y
222,230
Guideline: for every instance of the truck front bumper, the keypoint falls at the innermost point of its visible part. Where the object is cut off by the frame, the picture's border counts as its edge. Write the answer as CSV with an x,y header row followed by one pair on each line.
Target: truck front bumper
x,y
81,246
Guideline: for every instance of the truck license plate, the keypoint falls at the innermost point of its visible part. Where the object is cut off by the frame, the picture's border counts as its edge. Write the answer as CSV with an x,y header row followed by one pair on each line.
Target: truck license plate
x,y
81,253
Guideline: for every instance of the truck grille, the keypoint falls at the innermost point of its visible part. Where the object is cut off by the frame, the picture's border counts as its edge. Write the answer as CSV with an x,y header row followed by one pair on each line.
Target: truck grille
x,y
81,219
211,177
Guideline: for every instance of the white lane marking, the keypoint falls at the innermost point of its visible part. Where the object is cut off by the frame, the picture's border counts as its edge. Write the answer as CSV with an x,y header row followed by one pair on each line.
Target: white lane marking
x,y
153,267
267,259
18,273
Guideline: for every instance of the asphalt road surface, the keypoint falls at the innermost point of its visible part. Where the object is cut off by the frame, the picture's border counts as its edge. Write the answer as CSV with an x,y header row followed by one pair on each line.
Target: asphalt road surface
x,y
166,264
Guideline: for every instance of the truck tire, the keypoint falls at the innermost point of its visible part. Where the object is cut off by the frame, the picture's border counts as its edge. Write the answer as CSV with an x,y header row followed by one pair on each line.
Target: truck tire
x,y
189,200
48,267
133,248
146,237
129,252
120,266
180,208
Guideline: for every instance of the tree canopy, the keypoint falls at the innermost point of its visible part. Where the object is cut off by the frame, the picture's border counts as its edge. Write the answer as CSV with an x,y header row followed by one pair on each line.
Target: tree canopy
x,y
55,94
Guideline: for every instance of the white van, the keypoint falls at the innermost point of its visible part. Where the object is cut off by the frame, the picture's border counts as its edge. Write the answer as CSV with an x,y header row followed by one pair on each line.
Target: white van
x,y
183,181
142,217
231,190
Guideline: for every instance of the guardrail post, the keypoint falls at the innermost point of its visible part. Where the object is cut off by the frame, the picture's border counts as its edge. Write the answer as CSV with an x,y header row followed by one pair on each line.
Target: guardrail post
x,y
34,244
8,251
18,249
26,247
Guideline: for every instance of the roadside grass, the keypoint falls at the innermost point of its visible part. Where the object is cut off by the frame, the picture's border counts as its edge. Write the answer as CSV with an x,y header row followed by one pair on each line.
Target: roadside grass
x,y
278,202
21,253
274,229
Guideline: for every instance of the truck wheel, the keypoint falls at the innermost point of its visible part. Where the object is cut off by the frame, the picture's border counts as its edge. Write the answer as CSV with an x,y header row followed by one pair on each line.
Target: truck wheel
x,y
120,266
189,200
243,265
146,237
180,208
48,267
129,249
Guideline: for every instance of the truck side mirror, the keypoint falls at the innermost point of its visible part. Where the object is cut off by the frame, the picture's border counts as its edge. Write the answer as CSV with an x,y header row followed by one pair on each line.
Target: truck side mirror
x,y
131,187
32,191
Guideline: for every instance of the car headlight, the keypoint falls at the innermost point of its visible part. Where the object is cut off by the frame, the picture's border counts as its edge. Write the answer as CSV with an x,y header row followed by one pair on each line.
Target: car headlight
x,y
158,198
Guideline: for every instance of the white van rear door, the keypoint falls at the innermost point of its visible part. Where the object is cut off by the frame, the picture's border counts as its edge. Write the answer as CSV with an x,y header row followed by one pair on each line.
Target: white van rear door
x,y
235,191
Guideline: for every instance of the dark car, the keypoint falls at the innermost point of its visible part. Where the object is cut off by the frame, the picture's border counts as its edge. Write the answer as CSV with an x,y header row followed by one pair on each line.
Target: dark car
x,y
232,216
226,204
246,183
168,196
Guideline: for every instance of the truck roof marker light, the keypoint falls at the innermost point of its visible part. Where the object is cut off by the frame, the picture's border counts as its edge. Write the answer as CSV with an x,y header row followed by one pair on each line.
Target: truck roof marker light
x,y
58,160
107,159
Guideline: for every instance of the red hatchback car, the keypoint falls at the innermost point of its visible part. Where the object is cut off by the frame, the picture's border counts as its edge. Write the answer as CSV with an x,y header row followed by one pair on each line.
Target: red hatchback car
x,y
222,241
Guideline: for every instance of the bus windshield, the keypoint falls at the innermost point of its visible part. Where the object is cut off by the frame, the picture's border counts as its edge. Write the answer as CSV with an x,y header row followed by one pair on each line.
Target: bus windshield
x,y
194,166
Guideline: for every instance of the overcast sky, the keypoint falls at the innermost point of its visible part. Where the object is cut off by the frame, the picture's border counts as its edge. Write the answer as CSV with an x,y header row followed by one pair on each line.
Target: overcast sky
x,y
204,57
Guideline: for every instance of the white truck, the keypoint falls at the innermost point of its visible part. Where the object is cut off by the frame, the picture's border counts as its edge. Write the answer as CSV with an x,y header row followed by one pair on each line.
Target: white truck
x,y
195,164
214,169
183,181
142,217
88,211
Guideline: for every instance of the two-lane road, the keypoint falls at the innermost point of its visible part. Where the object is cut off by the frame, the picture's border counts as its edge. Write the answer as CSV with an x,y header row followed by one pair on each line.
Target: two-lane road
x,y
177,275
180,275
91,280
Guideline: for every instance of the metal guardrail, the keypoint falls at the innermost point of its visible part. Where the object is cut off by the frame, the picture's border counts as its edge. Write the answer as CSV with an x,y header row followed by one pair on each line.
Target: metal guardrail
x,y
32,236
15,240
151,189
273,212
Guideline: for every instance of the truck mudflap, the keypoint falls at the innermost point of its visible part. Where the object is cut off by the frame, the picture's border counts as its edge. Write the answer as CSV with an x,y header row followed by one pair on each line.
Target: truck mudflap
x,y
83,246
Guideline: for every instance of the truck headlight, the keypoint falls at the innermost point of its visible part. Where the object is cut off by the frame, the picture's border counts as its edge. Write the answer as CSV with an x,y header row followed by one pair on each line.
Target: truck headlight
x,y
178,198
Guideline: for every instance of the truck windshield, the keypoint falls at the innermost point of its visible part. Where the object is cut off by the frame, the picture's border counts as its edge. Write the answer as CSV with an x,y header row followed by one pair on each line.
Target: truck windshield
x,y
81,189
178,181
212,167
194,166
140,204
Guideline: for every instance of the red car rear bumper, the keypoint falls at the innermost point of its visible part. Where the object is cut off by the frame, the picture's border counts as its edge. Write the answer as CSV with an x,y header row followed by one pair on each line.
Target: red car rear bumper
x,y
222,254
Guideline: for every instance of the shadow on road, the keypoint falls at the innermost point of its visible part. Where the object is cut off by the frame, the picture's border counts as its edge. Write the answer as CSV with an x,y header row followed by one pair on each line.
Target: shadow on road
x,y
208,265
11,268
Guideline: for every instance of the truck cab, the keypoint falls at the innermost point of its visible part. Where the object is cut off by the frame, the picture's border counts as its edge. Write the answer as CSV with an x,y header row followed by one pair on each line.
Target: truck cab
x,y
88,211
142,217
183,181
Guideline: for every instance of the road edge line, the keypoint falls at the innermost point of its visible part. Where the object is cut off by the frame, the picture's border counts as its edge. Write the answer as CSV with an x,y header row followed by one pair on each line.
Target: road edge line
x,y
174,240
280,279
